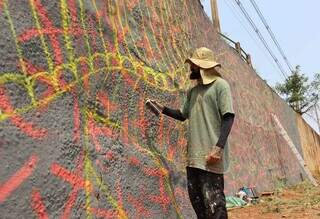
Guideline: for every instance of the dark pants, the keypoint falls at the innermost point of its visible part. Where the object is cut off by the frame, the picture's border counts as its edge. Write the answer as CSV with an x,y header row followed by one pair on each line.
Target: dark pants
x,y
206,194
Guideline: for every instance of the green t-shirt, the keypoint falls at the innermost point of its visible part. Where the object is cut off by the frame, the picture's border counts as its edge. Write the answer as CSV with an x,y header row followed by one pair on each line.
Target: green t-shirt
x,y
204,107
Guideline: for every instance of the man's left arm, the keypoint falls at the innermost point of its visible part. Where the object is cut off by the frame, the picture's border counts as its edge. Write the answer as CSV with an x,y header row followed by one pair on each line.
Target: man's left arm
x,y
227,112
226,125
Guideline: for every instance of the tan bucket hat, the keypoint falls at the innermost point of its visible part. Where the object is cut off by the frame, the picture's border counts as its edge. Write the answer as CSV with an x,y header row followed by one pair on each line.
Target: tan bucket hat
x,y
204,58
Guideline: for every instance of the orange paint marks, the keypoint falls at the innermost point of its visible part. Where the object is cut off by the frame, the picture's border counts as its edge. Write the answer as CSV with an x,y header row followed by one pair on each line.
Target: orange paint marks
x,y
128,79
115,61
95,131
73,12
171,152
158,172
42,12
31,70
132,4
110,155
38,205
182,141
145,44
162,199
134,161
85,73
102,213
18,178
138,204
180,192
76,119
107,104
76,182
125,130
70,202
149,3
119,193
141,123
160,132
68,176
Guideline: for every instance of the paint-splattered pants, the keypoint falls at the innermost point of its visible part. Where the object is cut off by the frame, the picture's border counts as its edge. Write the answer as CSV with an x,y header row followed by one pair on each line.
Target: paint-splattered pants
x,y
206,194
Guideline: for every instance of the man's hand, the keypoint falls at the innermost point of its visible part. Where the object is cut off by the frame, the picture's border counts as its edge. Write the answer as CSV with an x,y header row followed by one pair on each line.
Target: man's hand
x,y
215,155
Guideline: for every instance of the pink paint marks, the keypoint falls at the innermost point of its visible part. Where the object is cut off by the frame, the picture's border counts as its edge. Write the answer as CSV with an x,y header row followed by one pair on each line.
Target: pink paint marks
x,y
171,152
107,104
138,204
128,79
158,172
132,4
69,204
96,131
42,12
110,155
160,132
73,12
162,199
68,176
31,70
102,213
125,129
18,178
37,205
85,72
73,178
120,194
26,127
76,119
141,123
134,161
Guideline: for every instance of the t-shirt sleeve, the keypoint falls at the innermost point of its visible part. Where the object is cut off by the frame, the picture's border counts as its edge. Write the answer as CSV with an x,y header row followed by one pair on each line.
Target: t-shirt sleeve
x,y
225,99
186,105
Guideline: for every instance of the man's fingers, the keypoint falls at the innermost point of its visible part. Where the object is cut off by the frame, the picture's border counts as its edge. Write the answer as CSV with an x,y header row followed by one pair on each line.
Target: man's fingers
x,y
212,159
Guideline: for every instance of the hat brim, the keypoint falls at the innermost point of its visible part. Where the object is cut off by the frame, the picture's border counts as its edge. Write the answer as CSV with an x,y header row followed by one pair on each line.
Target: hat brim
x,y
203,63
208,76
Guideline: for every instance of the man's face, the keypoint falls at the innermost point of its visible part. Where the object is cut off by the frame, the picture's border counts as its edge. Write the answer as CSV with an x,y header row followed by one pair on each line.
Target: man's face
x,y
195,71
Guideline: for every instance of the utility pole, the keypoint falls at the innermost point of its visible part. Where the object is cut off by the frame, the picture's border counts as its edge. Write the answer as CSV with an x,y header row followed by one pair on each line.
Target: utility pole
x,y
215,15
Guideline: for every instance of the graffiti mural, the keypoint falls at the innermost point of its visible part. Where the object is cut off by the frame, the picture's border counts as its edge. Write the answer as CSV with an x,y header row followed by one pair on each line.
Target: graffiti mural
x,y
76,140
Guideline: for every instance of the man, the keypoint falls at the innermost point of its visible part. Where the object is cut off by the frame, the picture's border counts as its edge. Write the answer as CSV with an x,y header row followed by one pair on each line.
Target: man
x,y
208,106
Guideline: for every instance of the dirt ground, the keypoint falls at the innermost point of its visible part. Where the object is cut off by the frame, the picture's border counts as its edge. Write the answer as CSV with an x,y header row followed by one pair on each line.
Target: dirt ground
x,y
298,202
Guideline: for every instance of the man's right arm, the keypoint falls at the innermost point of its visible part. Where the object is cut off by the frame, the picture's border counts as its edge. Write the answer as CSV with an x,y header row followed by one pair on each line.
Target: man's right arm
x,y
174,113
178,114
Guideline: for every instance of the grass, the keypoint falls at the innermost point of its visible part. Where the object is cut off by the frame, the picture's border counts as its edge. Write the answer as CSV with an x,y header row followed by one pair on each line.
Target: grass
x,y
295,198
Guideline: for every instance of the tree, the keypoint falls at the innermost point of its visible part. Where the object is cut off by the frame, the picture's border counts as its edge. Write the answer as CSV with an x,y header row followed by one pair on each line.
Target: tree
x,y
298,93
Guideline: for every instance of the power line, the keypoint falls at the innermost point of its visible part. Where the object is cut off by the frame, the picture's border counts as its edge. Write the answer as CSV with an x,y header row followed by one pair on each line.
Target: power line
x,y
253,25
264,21
238,16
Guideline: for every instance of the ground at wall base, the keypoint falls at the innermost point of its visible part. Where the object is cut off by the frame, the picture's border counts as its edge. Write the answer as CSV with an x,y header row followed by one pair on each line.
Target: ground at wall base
x,y
301,201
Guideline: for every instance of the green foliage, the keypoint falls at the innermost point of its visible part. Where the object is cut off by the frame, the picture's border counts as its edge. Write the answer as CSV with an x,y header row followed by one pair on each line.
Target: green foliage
x,y
298,93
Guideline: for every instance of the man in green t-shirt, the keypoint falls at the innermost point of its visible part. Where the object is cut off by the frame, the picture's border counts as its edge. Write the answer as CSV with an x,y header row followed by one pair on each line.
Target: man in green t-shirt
x,y
208,107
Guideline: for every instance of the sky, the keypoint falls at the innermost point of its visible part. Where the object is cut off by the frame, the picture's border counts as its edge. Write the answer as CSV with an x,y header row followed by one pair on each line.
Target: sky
x,y
295,24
